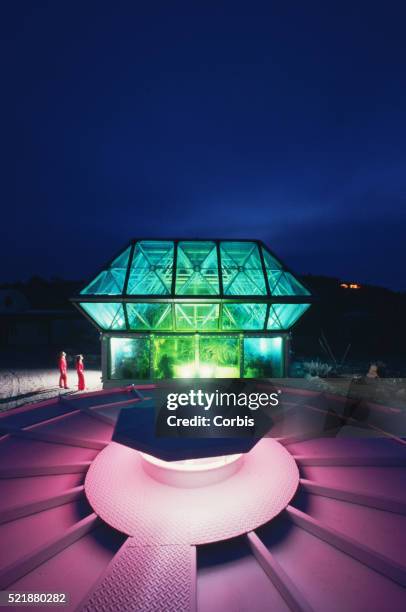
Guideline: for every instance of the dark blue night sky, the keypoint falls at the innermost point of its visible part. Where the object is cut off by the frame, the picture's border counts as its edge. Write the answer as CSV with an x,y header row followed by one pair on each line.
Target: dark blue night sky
x,y
277,120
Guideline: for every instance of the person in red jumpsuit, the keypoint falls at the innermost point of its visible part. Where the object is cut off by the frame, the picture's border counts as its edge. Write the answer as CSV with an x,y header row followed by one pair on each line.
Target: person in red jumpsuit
x,y
63,371
80,370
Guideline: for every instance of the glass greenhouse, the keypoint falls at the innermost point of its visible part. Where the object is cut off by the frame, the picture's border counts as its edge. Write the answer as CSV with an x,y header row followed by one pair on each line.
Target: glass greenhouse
x,y
193,308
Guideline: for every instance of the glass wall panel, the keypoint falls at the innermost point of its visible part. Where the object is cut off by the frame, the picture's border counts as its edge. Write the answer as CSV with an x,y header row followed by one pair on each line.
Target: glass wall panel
x,y
273,320
242,269
283,316
149,316
287,284
197,317
243,316
197,269
219,357
271,263
263,357
280,281
151,268
174,357
194,356
129,358
110,281
107,315
273,269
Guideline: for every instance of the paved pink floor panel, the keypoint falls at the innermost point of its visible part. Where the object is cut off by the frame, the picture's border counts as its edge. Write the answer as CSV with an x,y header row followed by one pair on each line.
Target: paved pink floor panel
x,y
304,525
128,499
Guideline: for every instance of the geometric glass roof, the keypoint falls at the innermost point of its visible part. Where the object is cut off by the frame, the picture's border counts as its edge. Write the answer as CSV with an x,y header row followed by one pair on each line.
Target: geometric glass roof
x,y
194,285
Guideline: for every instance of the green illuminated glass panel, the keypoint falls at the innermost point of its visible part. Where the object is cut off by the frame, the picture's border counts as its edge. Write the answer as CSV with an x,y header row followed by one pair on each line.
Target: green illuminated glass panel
x,y
263,357
151,268
280,281
271,263
197,317
273,320
242,269
109,316
197,269
287,284
283,316
243,316
175,357
129,358
219,357
149,316
110,281
273,269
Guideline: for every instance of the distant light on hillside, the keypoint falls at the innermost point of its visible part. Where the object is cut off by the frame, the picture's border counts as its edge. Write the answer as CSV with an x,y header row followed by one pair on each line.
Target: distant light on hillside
x,y
350,286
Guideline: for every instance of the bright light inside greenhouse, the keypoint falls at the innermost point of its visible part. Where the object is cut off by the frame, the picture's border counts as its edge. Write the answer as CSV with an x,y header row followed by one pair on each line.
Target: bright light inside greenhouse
x,y
187,370
206,371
